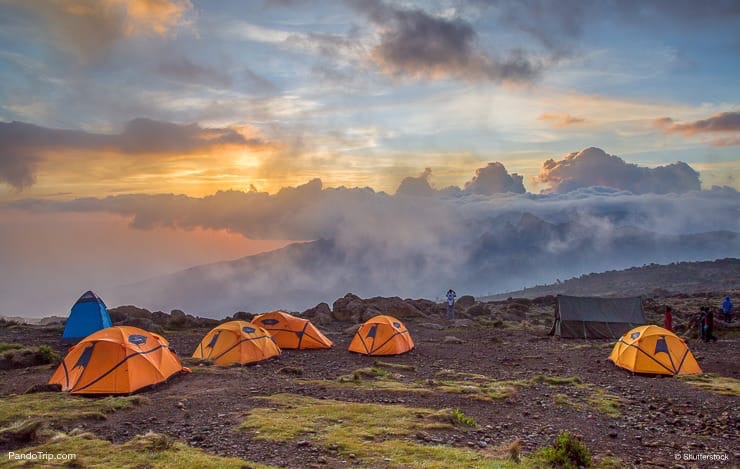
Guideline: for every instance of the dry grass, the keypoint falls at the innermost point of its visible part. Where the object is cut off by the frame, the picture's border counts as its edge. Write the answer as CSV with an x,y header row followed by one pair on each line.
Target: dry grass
x,y
378,435
722,385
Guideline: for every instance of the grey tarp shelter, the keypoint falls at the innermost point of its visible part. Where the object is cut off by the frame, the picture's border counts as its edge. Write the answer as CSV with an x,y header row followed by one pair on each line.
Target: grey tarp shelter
x,y
597,318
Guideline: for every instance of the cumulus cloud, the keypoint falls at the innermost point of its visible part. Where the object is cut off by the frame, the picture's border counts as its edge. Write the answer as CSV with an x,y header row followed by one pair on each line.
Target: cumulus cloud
x,y
722,123
560,120
24,146
494,179
87,27
594,167
415,44
417,186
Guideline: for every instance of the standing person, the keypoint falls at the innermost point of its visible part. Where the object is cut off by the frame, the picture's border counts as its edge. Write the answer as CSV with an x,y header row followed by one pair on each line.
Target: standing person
x,y
702,323
451,295
727,308
710,326
668,319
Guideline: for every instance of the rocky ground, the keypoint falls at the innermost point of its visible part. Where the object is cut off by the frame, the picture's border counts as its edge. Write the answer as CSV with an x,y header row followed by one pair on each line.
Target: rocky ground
x,y
563,385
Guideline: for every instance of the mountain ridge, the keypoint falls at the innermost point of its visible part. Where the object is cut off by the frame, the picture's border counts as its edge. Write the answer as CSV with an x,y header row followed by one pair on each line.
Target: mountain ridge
x,y
676,277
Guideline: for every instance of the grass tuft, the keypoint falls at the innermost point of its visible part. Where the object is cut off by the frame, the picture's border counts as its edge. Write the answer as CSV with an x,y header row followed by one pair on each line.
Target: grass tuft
x,y
463,419
568,451
377,435
60,407
722,385
151,451
395,366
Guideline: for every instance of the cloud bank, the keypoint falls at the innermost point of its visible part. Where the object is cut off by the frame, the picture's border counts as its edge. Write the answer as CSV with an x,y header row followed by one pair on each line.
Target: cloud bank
x,y
594,167
418,242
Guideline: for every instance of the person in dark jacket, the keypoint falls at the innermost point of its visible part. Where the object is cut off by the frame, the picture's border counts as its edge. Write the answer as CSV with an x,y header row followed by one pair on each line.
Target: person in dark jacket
x,y
702,323
668,319
709,326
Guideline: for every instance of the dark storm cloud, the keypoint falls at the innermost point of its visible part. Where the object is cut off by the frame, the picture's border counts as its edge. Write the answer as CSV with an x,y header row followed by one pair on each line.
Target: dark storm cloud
x,y
594,167
415,44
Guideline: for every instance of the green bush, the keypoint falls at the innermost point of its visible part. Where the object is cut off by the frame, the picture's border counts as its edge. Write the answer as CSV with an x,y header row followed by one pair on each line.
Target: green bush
x,y
9,346
568,452
48,355
463,419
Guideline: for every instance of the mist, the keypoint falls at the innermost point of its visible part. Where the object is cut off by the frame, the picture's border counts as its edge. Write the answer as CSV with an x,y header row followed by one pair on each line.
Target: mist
x,y
486,237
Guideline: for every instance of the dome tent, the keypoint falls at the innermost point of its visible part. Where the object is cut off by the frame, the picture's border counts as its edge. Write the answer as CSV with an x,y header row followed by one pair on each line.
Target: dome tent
x,y
381,335
654,350
117,360
89,314
291,332
237,342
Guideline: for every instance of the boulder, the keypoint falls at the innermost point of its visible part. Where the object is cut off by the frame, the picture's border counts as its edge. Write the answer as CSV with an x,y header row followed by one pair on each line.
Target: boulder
x,y
428,307
462,323
318,310
121,313
394,306
143,323
478,309
451,339
348,308
353,308
465,301
240,316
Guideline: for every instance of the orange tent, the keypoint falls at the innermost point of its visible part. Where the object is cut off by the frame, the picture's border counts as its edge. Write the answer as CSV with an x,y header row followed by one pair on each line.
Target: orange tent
x,y
652,349
117,360
237,342
291,332
382,335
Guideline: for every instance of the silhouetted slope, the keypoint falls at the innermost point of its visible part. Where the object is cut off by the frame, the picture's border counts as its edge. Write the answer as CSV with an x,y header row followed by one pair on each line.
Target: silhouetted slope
x,y
679,277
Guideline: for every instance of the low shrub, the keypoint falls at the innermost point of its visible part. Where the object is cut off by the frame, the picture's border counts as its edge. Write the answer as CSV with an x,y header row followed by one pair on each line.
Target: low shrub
x,y
568,451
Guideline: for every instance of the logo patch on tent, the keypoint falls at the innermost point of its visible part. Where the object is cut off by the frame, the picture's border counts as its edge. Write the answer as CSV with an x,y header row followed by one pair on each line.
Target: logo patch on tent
x,y
269,322
371,332
661,345
84,357
214,339
397,325
249,330
137,339
634,335
299,334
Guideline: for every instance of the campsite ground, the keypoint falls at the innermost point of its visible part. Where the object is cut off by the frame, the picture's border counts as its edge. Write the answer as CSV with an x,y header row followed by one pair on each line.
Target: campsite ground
x,y
510,378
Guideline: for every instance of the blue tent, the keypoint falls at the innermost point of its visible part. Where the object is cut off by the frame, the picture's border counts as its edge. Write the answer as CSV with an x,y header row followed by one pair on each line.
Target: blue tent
x,y
88,315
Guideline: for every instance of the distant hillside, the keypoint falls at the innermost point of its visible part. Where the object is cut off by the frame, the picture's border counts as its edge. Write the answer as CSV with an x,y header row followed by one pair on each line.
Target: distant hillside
x,y
678,277
493,254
